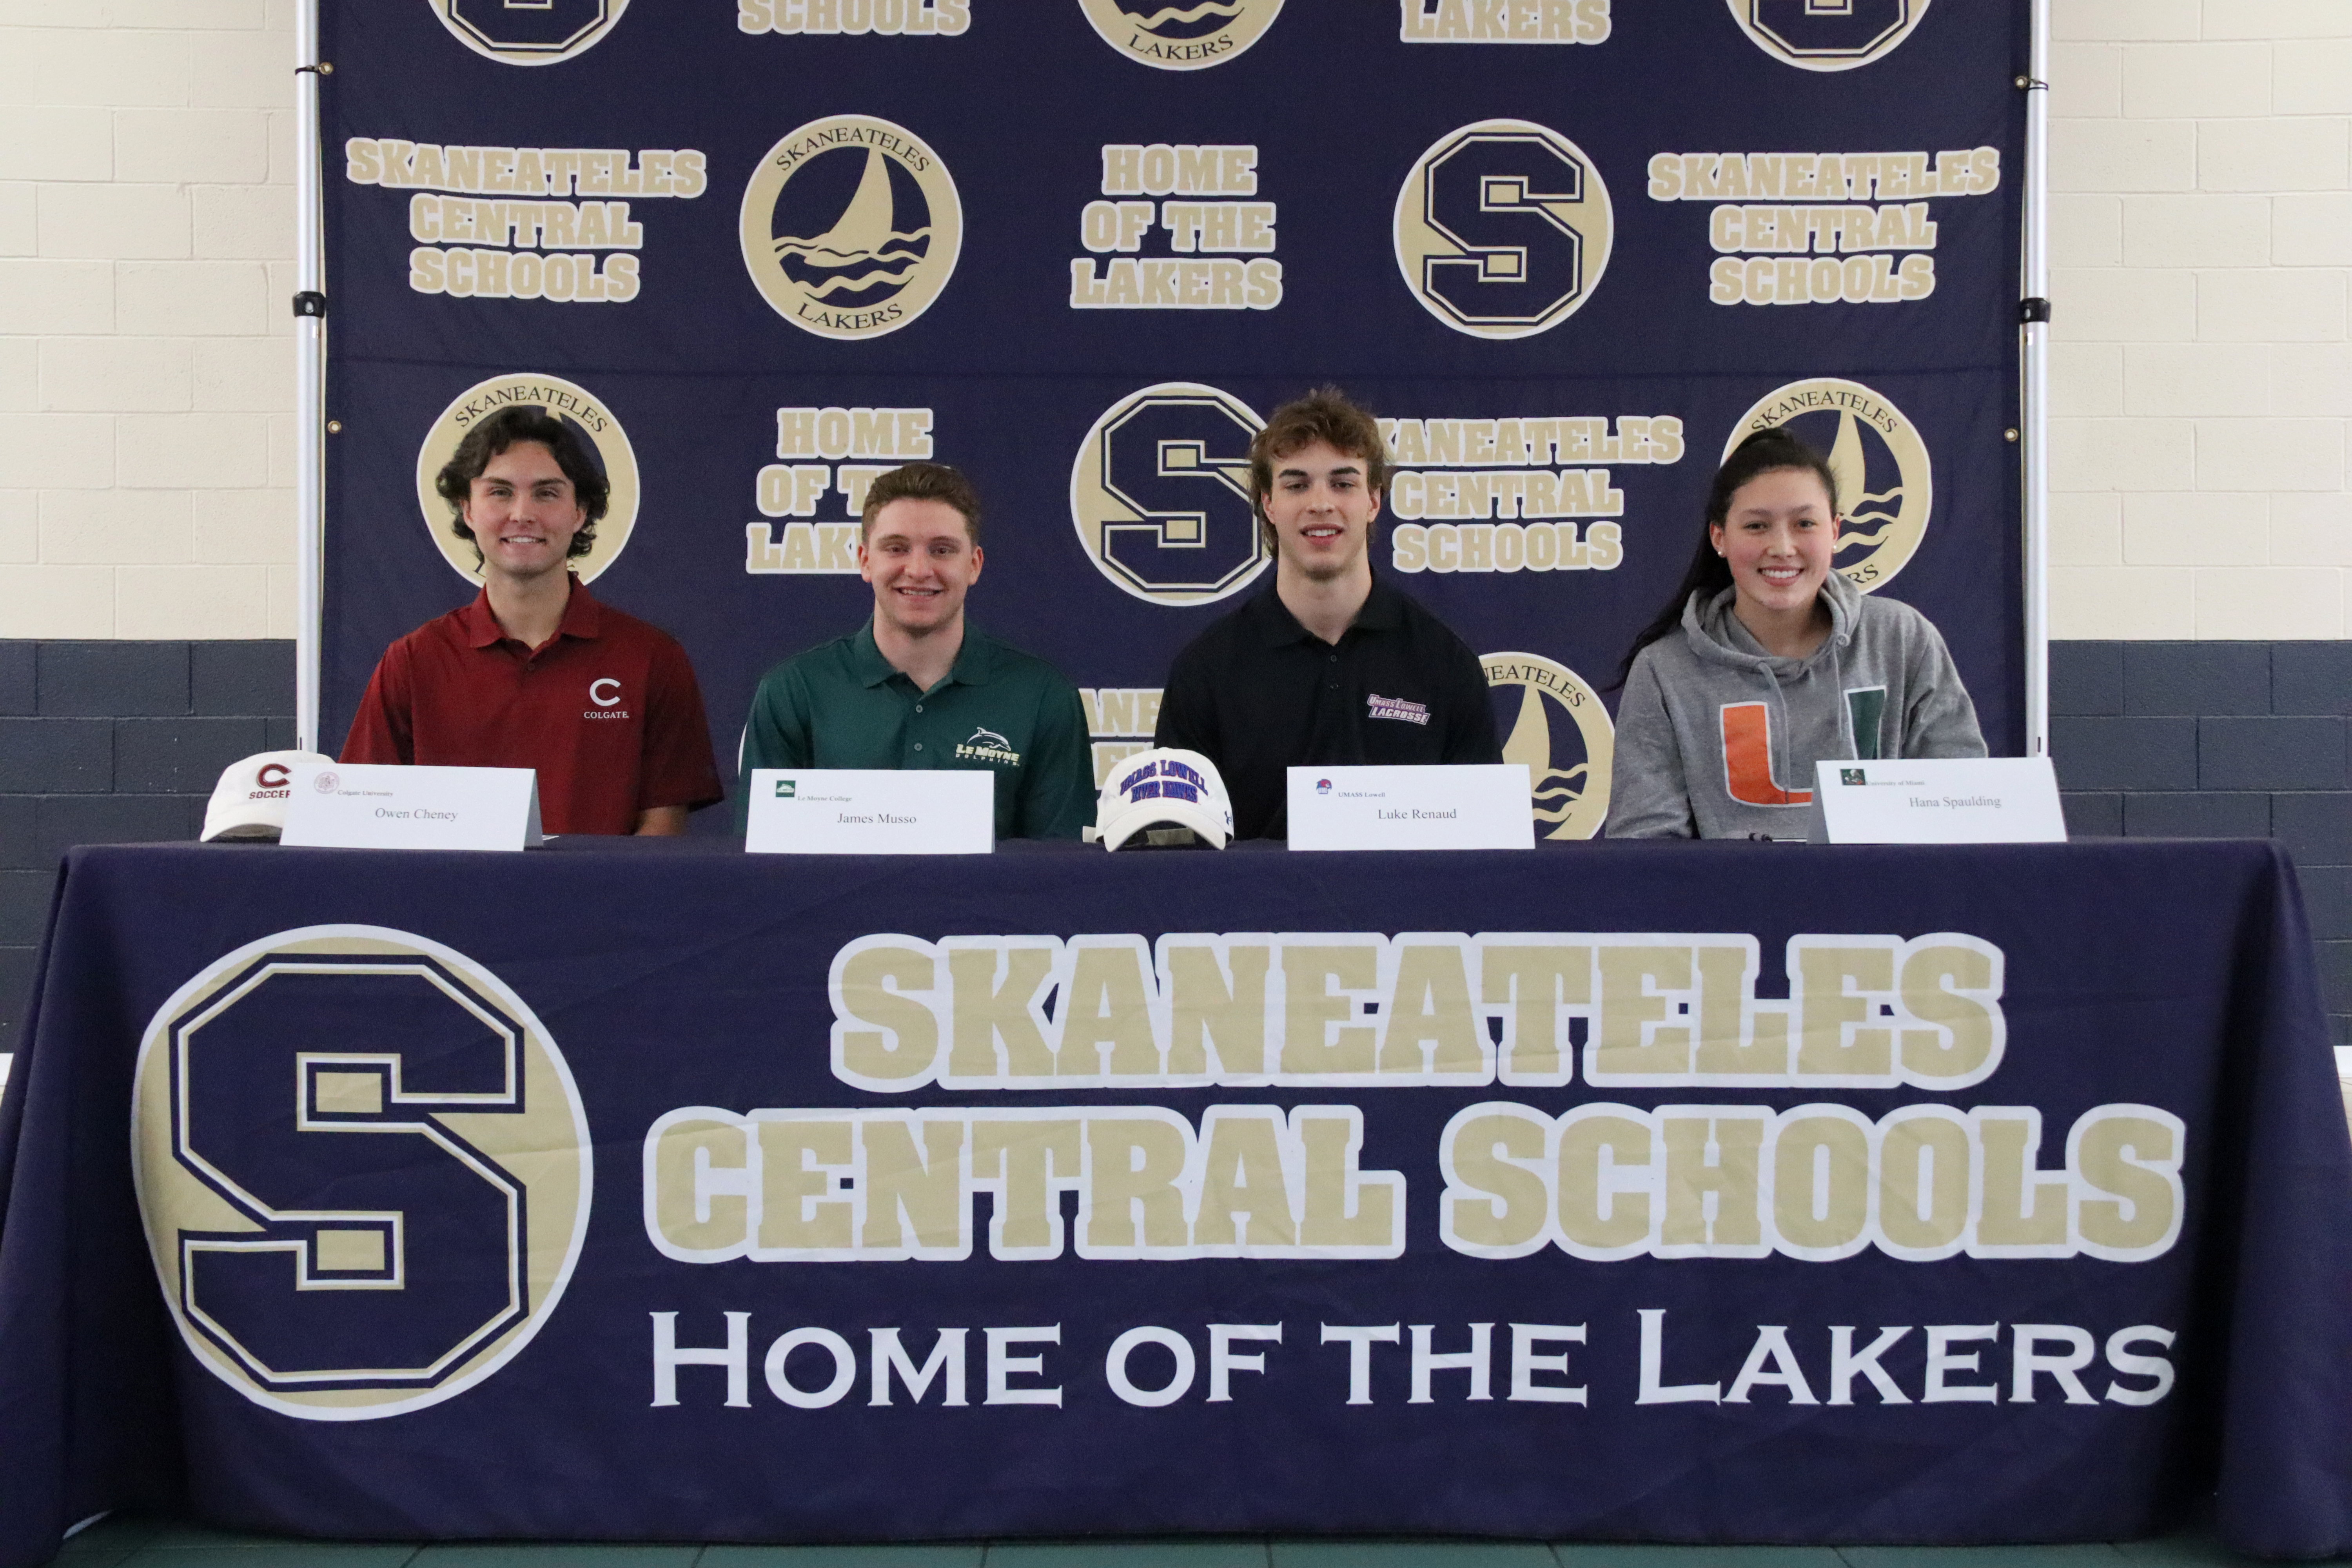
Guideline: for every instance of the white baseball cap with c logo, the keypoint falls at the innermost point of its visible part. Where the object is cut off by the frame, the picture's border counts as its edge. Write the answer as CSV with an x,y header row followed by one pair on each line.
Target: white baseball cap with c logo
x,y
249,802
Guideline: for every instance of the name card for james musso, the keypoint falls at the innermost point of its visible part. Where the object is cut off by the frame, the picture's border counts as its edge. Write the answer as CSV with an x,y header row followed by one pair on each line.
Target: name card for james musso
x,y
1476,806
870,811
363,805
1947,800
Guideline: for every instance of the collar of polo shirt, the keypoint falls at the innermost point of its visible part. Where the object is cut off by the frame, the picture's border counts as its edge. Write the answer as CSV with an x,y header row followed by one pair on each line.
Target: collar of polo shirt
x,y
971,667
580,617
1382,611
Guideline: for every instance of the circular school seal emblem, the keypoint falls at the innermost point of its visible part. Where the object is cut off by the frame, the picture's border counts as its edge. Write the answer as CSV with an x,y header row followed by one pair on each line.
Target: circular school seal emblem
x,y
528,32
364,1169
1827,35
1180,35
1556,724
1885,485
851,226
1160,494
1503,229
575,405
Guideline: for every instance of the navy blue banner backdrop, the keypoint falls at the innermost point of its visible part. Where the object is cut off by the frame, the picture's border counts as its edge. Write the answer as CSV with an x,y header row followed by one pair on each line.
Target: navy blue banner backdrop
x,y
666,1193
1568,250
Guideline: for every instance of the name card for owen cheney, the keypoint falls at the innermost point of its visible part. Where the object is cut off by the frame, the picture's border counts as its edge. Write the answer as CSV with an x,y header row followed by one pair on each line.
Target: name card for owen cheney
x,y
871,811
363,805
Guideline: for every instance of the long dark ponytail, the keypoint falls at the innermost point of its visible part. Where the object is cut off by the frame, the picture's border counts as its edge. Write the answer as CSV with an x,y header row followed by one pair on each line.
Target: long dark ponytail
x,y
1710,573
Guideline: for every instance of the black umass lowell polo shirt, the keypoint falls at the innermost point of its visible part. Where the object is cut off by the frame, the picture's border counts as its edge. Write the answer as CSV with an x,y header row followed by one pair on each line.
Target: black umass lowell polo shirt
x,y
1258,693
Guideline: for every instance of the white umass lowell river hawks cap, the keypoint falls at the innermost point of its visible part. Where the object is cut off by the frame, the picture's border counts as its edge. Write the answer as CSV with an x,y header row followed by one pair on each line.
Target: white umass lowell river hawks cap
x,y
1163,798
249,802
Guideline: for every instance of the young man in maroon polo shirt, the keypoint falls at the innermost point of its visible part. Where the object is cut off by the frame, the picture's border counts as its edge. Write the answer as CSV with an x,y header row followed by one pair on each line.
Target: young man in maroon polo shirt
x,y
534,673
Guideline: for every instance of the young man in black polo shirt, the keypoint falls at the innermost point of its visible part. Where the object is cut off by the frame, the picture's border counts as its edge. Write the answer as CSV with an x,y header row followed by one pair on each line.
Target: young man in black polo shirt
x,y
1330,663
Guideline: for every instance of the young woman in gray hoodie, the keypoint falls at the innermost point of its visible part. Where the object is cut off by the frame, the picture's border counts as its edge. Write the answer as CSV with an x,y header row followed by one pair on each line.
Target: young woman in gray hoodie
x,y
1766,660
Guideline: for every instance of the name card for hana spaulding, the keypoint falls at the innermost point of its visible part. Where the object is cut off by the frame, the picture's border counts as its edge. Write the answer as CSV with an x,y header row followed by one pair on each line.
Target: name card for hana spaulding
x,y
365,805
1482,805
1949,800
871,811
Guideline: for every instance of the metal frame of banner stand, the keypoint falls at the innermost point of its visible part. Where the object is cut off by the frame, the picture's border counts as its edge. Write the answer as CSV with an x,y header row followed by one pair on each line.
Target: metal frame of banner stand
x,y
2033,370
310,351
309,380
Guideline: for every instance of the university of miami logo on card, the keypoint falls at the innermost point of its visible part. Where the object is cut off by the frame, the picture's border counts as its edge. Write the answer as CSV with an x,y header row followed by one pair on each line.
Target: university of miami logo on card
x,y
364,1169
1828,35
1885,484
1180,35
528,32
851,226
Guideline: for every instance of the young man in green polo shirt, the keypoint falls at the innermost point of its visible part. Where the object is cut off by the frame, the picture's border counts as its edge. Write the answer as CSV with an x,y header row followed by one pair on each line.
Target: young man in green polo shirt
x,y
916,687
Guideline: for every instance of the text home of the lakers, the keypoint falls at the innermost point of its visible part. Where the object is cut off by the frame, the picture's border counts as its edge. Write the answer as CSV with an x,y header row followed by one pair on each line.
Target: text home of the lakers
x,y
1601,1180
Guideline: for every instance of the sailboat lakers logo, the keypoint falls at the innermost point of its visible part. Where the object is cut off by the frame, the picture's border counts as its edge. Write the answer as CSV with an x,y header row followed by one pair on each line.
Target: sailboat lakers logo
x,y
1556,725
851,226
1180,35
1885,486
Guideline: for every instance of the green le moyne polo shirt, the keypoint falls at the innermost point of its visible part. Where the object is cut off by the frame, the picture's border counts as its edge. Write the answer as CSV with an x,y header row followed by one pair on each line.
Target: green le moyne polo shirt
x,y
841,705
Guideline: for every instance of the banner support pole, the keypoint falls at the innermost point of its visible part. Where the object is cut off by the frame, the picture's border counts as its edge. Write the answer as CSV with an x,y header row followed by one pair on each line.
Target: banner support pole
x,y
2034,363
310,381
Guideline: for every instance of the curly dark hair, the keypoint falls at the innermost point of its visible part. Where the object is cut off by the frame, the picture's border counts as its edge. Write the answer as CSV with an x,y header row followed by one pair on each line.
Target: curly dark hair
x,y
513,426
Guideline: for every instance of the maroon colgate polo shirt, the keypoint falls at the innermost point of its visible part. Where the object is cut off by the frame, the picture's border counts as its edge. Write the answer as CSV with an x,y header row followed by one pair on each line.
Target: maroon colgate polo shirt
x,y
607,712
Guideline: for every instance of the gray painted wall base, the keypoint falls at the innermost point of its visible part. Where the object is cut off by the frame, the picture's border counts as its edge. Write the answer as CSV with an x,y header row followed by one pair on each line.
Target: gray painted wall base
x,y
115,741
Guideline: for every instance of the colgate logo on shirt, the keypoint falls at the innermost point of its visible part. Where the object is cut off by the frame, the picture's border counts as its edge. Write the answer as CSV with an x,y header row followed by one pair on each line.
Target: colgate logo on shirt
x,y
605,692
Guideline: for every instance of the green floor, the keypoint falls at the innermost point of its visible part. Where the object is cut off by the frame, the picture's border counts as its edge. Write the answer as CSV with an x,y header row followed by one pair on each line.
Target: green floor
x,y
165,1543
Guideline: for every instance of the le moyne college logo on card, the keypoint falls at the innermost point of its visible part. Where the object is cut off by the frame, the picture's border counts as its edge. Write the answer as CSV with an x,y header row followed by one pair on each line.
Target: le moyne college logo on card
x,y
851,226
364,1169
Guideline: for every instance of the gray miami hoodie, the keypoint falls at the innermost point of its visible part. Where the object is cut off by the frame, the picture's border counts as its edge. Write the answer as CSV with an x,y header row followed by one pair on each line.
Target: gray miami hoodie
x,y
1716,737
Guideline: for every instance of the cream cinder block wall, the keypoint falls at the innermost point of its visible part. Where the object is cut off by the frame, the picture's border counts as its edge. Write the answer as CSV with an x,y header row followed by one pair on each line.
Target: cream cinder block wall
x,y
146,351
2201,245
2200,378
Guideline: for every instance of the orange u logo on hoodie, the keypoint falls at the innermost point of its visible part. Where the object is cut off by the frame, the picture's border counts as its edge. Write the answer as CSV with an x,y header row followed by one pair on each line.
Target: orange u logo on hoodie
x,y
1748,758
